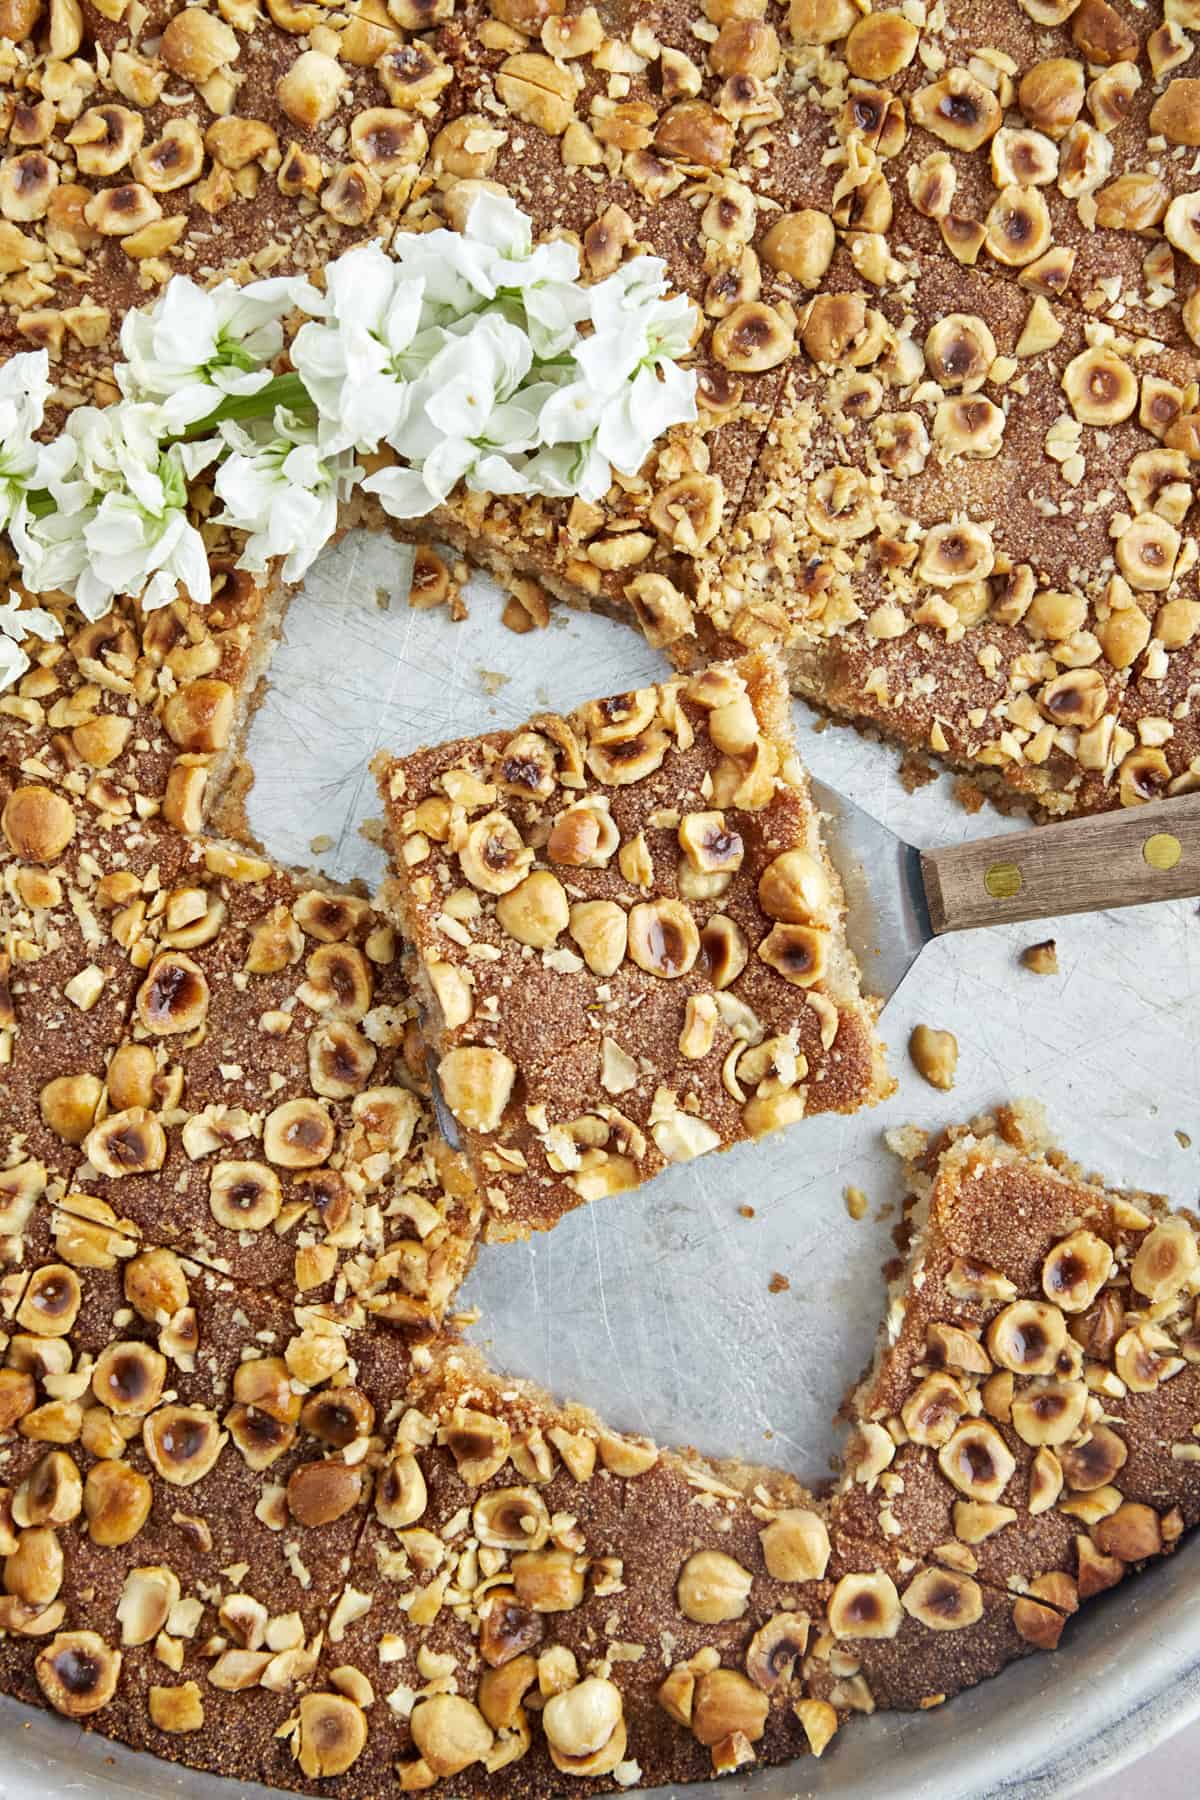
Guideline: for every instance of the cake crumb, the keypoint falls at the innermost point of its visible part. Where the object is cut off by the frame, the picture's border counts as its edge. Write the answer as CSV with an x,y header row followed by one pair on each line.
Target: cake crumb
x,y
1041,959
915,773
778,1284
492,680
320,843
856,1203
746,1212
1183,1140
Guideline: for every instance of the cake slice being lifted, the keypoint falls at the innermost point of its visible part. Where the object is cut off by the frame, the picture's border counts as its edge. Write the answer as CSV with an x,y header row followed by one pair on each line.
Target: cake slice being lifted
x,y
627,937
1032,1414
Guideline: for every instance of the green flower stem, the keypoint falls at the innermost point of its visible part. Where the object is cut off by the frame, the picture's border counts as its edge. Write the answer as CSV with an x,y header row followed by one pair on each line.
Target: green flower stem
x,y
282,390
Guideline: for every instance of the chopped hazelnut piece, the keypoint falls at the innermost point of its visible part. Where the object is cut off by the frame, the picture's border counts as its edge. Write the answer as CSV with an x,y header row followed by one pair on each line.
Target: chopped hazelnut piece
x,y
1041,959
935,1055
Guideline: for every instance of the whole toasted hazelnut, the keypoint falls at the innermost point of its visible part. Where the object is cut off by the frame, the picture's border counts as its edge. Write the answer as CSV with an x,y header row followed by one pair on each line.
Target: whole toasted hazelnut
x,y
298,1135
338,1416
310,90
796,952
38,823
880,44
801,244
320,1492
547,1581
493,856
977,1461
663,938
174,996
1051,93
794,888
943,1600
244,1196
958,109
331,1735
131,1142
51,1301
536,911
865,1605
583,836
182,1442
174,160
725,1702
155,1285
450,1733
752,338
128,1378
78,1673
713,1587
68,1105
582,1722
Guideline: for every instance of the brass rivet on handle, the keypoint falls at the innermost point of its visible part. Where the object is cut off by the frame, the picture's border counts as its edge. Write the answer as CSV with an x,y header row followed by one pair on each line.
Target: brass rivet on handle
x,y
1162,851
1002,880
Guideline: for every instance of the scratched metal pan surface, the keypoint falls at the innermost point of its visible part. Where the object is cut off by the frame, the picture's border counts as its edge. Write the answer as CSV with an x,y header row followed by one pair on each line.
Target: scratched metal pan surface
x,y
657,1308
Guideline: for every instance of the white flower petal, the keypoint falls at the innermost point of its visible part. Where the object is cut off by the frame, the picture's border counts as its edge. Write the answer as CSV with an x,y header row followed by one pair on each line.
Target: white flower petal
x,y
13,662
402,493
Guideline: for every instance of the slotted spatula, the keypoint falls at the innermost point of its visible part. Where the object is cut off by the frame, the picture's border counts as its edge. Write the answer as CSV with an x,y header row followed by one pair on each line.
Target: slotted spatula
x,y
898,897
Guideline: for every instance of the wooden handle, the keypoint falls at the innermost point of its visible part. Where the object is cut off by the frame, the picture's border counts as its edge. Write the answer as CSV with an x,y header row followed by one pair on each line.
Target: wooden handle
x,y
1119,859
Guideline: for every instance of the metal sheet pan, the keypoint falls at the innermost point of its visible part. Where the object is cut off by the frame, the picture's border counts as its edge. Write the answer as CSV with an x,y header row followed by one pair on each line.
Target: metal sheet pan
x,y
656,1307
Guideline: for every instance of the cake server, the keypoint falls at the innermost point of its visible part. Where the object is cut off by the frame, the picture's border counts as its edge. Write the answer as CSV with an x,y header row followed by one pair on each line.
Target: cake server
x,y
898,898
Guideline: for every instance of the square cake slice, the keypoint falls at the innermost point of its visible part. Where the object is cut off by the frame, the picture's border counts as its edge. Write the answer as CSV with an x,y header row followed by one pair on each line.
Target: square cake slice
x,y
627,938
1031,1415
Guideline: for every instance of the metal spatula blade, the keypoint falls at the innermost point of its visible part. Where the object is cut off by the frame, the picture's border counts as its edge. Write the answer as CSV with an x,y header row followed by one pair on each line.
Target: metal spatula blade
x,y
447,1124
887,912
898,897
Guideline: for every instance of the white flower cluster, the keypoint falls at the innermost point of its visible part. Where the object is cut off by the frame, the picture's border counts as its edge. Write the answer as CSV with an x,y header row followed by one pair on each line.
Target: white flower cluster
x,y
472,356
462,353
